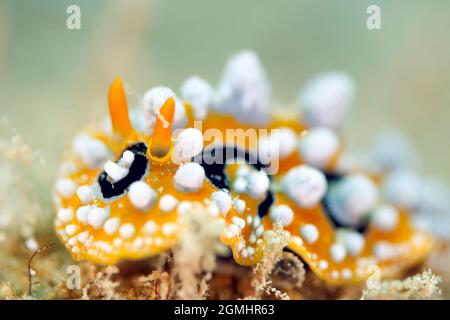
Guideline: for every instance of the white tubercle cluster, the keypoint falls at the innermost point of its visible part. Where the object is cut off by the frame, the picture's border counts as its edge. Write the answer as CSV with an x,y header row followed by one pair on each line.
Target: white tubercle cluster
x,y
111,225
282,214
351,199
326,99
309,232
153,100
119,170
240,205
222,200
353,241
91,151
401,188
245,90
127,230
252,182
96,216
189,177
167,203
304,185
319,146
338,252
258,184
199,94
188,144
86,194
141,195
385,218
279,144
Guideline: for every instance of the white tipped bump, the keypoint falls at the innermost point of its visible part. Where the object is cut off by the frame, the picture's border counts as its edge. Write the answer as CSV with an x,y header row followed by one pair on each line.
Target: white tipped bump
x,y
199,94
338,252
304,185
111,225
97,216
282,214
243,171
309,232
240,205
65,187
65,215
259,231
92,152
351,199
150,227
353,242
167,203
238,222
244,90
85,194
154,99
231,231
278,145
326,99
385,218
383,250
222,201
141,195
127,230
71,229
188,144
82,213
287,141
83,236
189,177
258,184
240,185
184,207
319,146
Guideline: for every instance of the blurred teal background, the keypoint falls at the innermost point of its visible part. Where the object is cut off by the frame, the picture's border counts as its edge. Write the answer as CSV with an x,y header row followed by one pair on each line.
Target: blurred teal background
x,y
54,80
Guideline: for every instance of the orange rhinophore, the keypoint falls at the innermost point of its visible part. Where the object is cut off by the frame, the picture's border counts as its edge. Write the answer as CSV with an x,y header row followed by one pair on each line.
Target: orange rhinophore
x,y
120,199
162,134
118,109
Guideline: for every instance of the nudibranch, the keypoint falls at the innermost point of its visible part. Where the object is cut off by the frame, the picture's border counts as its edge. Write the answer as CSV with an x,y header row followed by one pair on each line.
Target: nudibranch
x,y
125,190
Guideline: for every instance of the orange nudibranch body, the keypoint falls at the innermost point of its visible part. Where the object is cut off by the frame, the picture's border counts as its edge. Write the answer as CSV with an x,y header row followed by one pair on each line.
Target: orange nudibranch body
x,y
124,198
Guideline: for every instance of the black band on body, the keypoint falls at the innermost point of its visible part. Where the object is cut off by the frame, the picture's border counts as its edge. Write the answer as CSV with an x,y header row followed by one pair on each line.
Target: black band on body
x,y
214,159
135,173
